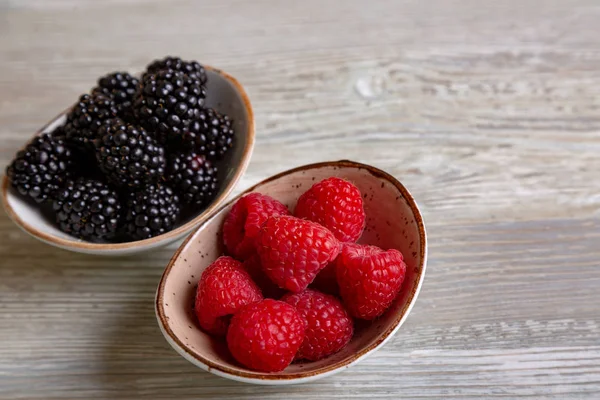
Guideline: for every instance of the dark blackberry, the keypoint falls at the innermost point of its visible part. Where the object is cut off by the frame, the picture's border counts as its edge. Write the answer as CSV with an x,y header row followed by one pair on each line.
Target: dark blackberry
x,y
151,211
168,102
86,117
88,209
193,177
41,167
191,68
211,134
59,132
121,87
84,164
128,155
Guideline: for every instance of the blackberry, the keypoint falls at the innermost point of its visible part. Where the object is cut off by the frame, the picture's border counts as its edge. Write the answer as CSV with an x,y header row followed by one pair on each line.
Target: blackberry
x,y
193,177
211,134
191,68
151,211
88,209
84,164
128,155
41,167
86,117
168,102
121,87
58,132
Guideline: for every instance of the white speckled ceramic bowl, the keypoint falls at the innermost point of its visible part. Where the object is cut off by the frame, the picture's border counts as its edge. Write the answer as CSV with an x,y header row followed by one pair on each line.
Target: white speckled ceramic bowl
x,y
226,95
393,221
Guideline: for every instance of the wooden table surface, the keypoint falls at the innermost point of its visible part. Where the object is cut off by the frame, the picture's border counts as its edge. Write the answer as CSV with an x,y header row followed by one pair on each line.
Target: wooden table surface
x,y
489,112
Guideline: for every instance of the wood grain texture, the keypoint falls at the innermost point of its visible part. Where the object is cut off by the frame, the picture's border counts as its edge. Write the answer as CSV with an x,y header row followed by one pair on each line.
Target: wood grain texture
x,y
488,112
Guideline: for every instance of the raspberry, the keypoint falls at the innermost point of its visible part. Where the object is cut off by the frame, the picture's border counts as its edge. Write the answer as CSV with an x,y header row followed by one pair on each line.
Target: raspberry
x,y
223,289
337,205
328,326
293,251
253,266
369,279
244,221
265,336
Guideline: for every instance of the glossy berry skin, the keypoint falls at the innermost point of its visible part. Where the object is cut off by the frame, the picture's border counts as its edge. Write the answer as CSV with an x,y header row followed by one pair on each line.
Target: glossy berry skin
x,y
86,117
328,326
292,251
193,177
191,68
369,279
223,289
151,211
337,205
167,103
129,156
211,134
265,336
253,266
41,167
121,88
244,221
87,209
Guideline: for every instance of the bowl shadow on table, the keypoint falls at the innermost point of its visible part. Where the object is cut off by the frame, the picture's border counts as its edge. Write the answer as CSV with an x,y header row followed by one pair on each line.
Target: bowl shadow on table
x,y
127,355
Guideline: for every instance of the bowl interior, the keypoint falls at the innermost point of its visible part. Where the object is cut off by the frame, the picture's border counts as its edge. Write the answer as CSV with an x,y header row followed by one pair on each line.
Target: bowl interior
x,y
391,223
226,96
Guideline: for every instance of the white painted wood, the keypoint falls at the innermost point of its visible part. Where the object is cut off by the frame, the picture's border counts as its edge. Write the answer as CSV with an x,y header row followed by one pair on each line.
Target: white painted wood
x,y
487,111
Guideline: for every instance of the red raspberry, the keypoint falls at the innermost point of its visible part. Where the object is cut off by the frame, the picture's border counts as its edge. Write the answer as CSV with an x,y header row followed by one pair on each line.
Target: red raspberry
x,y
328,326
223,289
266,285
292,251
337,205
244,221
265,336
369,279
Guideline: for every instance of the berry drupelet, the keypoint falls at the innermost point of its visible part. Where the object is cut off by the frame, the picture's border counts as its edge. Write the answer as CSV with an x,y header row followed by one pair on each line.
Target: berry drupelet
x,y
193,177
191,68
168,102
128,156
211,134
86,117
120,87
41,167
151,211
88,209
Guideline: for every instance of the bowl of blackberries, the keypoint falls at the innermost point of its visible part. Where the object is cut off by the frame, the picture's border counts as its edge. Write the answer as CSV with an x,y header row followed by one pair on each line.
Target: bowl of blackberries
x,y
135,163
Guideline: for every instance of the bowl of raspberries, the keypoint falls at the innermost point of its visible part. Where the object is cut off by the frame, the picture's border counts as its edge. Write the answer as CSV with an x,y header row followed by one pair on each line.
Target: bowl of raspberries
x,y
136,163
297,278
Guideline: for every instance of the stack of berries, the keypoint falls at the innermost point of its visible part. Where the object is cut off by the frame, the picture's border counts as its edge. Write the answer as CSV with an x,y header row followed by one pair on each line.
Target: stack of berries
x,y
133,156
292,285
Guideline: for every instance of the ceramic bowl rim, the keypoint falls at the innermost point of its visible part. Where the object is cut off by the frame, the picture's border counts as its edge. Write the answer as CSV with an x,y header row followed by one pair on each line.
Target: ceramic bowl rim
x,y
171,235
263,378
